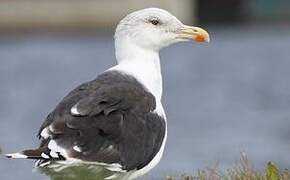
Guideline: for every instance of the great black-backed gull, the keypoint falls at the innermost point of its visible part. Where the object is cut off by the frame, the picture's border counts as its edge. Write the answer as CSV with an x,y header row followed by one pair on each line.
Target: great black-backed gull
x,y
117,120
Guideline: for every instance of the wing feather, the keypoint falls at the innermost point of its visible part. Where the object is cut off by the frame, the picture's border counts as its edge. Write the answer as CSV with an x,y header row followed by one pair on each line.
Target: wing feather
x,y
115,122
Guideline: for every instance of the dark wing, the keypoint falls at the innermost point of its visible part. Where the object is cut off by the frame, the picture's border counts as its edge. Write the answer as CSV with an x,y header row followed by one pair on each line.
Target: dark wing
x,y
114,123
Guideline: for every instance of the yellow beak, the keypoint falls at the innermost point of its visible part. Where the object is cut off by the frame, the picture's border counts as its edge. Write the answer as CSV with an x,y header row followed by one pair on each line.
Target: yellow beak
x,y
195,33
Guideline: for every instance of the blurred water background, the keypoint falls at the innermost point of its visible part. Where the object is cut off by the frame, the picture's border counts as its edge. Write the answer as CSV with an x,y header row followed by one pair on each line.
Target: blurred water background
x,y
222,98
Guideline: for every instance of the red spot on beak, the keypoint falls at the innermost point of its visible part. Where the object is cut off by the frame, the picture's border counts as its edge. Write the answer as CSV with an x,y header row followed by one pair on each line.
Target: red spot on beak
x,y
199,38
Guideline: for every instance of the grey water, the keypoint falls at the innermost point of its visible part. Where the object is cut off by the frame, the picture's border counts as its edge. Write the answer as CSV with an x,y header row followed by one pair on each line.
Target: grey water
x,y
221,99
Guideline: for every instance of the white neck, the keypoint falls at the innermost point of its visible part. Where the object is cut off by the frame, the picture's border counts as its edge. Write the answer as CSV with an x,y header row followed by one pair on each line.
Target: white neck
x,y
141,63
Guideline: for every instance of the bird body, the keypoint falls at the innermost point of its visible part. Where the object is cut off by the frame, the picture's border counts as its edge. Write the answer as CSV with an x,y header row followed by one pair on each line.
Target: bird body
x,y
117,120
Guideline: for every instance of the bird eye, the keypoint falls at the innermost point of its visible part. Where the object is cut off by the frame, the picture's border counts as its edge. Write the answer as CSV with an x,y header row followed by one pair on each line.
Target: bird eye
x,y
154,22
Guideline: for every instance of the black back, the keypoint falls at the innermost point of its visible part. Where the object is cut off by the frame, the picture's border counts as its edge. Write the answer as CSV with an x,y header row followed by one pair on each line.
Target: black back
x,y
116,122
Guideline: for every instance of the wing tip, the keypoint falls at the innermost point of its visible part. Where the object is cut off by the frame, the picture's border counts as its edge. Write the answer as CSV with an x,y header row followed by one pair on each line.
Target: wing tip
x,y
18,155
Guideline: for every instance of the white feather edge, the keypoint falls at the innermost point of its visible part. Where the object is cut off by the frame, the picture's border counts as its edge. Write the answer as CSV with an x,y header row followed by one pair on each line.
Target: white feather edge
x,y
45,156
74,110
77,148
45,133
54,154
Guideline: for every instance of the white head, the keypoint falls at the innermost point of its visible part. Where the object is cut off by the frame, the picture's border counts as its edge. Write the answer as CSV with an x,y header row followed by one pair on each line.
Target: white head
x,y
152,29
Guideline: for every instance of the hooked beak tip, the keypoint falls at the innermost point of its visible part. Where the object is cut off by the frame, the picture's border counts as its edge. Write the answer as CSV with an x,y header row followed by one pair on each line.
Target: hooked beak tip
x,y
195,33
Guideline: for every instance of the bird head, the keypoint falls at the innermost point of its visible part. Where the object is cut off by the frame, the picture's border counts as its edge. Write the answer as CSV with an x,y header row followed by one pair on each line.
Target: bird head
x,y
154,28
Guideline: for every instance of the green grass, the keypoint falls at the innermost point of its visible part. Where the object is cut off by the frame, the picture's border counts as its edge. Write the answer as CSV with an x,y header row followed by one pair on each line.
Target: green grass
x,y
77,172
243,170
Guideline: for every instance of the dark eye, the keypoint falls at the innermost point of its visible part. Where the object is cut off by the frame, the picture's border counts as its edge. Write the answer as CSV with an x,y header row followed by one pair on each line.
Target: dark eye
x,y
154,22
